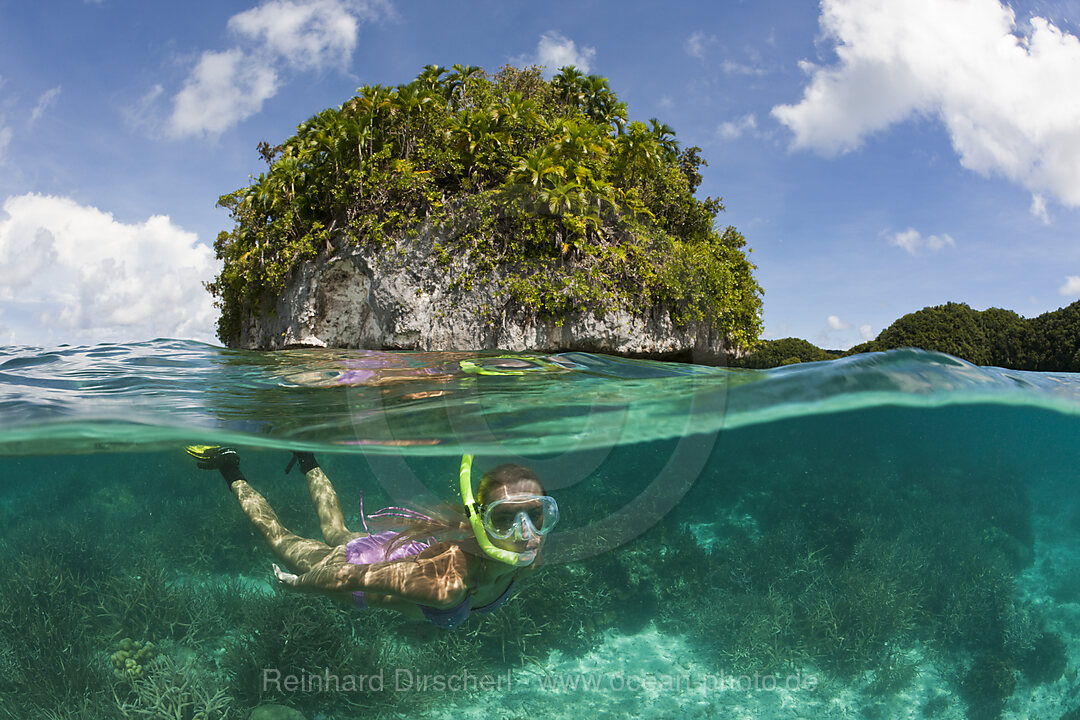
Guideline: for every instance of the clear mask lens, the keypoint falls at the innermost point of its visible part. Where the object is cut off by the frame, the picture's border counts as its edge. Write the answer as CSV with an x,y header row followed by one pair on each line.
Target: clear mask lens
x,y
521,516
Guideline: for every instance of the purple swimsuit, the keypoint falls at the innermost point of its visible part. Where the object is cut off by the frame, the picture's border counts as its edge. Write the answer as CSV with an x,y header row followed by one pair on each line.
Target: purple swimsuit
x,y
371,549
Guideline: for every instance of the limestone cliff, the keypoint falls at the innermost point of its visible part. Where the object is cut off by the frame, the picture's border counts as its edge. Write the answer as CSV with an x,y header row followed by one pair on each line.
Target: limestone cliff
x,y
400,298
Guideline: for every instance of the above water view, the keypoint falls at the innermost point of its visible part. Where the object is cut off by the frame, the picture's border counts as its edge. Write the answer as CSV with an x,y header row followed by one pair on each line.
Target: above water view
x,y
888,535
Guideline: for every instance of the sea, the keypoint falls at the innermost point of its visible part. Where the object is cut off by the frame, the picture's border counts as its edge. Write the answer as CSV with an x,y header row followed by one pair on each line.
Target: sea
x,y
888,535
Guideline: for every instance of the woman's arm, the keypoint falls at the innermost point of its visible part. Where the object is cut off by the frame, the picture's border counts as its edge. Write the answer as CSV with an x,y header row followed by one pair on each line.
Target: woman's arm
x,y
435,577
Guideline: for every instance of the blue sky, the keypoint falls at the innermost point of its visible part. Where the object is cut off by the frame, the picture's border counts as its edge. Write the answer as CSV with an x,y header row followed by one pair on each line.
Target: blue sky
x,y
879,156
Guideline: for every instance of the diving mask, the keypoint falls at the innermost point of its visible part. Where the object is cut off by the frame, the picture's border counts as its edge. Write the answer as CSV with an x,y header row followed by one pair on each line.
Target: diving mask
x,y
520,516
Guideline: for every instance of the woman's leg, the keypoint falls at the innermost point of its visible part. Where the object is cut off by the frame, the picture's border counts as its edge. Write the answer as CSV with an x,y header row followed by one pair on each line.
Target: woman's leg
x,y
328,508
299,554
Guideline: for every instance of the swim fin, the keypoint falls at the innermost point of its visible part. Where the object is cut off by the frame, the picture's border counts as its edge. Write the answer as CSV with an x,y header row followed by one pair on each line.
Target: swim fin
x,y
216,457
201,452
305,460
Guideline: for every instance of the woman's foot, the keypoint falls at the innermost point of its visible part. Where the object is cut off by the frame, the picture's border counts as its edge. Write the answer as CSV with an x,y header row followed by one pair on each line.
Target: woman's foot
x,y
214,457
304,460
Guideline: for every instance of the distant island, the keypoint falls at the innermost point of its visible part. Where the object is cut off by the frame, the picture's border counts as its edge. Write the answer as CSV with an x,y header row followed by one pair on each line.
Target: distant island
x,y
467,210
1047,343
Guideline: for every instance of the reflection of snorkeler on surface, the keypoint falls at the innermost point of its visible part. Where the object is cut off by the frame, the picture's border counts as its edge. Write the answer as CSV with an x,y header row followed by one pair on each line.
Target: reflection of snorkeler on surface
x,y
377,368
441,566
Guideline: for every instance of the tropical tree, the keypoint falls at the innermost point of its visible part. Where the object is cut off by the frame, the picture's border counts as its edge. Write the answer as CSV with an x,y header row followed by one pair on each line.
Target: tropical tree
x,y
287,174
579,141
601,104
569,86
664,137
410,101
430,79
515,114
374,104
636,152
476,133
537,169
323,142
561,198
457,83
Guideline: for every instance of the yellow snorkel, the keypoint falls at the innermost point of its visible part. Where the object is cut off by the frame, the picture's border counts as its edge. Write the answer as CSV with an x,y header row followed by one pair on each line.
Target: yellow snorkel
x,y
472,509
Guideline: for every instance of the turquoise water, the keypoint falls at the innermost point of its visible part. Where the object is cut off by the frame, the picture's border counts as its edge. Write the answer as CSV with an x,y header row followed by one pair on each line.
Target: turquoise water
x,y
901,528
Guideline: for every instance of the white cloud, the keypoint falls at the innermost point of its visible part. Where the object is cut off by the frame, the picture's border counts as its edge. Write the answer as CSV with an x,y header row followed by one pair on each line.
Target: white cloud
x,y
835,323
46,101
937,242
838,334
72,273
555,50
1038,208
1071,286
309,35
866,332
697,43
913,242
733,129
225,88
1005,91
228,86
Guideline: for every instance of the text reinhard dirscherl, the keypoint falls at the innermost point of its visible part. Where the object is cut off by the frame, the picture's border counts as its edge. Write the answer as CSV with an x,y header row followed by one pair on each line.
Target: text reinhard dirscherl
x,y
410,681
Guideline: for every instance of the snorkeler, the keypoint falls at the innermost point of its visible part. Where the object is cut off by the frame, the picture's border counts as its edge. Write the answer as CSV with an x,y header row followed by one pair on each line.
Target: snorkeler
x,y
441,566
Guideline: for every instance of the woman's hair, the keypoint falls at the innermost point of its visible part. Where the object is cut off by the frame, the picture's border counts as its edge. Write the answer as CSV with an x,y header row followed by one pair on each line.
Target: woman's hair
x,y
449,521
504,475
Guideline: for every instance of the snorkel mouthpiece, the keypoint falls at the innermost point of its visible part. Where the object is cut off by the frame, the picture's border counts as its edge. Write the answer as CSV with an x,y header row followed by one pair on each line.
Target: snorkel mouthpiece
x,y
472,509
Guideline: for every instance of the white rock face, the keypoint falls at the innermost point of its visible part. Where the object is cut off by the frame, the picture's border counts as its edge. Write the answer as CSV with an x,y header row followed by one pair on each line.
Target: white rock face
x,y
402,299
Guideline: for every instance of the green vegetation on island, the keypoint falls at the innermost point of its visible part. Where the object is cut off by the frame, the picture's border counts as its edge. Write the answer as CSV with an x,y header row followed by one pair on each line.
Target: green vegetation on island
x,y
546,182
1047,343
786,351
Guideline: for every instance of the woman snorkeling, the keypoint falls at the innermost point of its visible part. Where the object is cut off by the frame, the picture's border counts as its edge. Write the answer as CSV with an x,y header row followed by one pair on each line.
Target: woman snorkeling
x,y
441,567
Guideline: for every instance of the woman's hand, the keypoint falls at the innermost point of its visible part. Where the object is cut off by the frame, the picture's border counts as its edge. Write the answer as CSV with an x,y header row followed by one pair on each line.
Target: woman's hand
x,y
286,578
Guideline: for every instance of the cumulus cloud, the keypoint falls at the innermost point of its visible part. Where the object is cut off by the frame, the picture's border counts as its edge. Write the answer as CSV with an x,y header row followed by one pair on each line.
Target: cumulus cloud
x,y
555,50
225,88
1071,286
307,35
46,101
835,323
72,273
734,129
1005,91
229,86
866,332
914,243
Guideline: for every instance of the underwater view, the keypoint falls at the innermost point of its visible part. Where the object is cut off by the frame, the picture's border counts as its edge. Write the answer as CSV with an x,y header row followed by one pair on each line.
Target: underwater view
x,y
890,535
